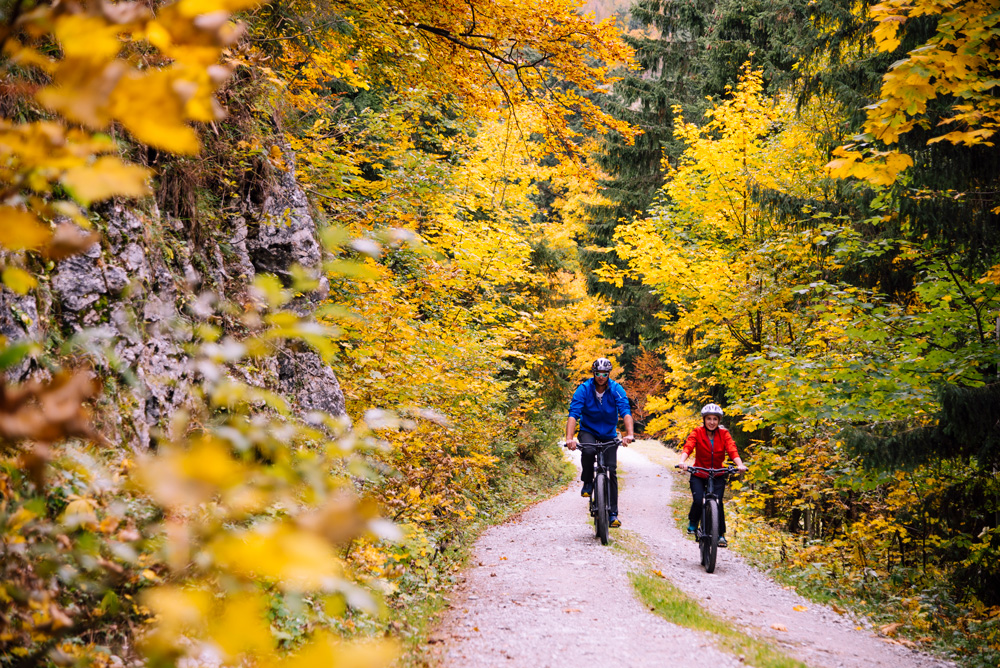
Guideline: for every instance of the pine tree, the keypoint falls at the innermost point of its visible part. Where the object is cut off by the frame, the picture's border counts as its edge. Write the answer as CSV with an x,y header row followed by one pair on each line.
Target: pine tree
x,y
665,35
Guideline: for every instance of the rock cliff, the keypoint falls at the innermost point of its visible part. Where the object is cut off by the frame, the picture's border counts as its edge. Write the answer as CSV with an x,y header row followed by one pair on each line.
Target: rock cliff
x,y
128,303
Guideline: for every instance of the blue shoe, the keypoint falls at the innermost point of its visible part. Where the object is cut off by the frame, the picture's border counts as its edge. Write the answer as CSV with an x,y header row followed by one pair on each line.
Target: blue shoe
x,y
691,528
613,521
588,488
723,542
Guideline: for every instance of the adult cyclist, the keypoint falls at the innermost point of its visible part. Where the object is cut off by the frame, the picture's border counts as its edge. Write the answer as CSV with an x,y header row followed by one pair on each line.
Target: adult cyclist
x,y
710,442
597,404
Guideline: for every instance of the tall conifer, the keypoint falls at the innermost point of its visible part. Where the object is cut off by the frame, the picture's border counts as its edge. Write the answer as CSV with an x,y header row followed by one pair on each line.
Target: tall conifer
x,y
665,35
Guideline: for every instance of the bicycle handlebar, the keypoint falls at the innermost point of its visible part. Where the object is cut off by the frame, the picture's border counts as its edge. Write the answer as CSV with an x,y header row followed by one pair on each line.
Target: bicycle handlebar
x,y
728,469
605,444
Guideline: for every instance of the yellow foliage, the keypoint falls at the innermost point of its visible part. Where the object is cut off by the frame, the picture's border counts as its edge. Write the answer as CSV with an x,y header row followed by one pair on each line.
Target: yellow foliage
x,y
957,62
289,558
326,650
106,177
715,254
18,280
240,627
21,230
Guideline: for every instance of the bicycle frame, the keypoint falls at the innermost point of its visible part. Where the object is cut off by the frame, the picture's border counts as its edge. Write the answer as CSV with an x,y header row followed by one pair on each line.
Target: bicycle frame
x,y
602,480
707,532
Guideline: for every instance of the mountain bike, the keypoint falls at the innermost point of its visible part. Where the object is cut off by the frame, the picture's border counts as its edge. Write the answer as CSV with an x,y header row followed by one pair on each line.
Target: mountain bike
x,y
600,500
707,533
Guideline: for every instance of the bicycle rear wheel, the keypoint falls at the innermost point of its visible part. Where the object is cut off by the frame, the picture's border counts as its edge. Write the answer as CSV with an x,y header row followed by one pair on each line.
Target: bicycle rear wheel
x,y
601,503
711,534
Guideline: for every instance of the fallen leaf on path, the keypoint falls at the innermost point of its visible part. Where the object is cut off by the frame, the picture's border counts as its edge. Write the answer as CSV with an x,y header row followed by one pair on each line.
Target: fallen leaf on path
x,y
779,627
660,574
493,575
890,629
839,610
800,608
572,610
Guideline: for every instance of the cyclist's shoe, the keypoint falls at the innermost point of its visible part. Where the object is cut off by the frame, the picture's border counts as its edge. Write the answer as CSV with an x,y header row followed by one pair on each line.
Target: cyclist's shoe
x,y
613,521
691,528
723,542
588,488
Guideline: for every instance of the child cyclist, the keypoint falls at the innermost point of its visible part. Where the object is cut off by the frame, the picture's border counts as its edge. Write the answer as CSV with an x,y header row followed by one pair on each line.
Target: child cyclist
x,y
710,443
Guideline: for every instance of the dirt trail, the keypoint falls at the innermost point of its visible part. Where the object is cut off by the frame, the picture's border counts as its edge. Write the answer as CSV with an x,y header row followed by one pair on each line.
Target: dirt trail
x,y
543,592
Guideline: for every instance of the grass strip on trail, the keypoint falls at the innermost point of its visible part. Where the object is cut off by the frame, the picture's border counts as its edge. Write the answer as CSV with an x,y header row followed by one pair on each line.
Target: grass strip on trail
x,y
666,600
669,602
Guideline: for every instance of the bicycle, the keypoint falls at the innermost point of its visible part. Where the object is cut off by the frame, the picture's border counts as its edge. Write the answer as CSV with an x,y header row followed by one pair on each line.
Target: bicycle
x,y
600,500
707,533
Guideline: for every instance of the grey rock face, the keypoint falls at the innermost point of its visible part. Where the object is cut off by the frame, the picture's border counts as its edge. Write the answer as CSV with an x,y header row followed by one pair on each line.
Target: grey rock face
x,y
83,279
136,302
18,320
286,232
310,382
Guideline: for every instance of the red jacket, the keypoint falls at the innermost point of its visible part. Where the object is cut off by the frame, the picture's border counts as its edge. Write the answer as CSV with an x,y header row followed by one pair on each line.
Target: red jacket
x,y
705,455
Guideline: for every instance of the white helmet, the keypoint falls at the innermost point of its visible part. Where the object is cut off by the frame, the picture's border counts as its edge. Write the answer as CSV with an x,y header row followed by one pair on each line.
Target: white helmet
x,y
711,409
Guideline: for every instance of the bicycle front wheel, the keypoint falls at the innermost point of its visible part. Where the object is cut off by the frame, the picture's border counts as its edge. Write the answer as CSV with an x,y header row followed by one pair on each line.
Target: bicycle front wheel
x,y
601,503
711,544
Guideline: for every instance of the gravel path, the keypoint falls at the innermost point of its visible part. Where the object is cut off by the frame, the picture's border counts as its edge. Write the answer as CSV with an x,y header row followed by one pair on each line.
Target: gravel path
x,y
737,591
542,591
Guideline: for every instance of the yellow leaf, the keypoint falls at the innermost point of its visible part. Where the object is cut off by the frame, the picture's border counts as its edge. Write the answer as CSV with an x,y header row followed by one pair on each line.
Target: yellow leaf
x,y
151,108
20,230
240,627
209,461
199,7
18,280
87,37
106,178
800,608
151,576
326,650
177,608
292,558
81,90
80,512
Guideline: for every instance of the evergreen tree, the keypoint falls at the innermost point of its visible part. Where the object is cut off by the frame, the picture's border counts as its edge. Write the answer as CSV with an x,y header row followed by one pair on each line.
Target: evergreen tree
x,y
665,35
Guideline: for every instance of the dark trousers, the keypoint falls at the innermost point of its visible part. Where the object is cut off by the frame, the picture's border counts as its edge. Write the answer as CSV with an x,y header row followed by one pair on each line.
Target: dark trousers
x,y
587,458
698,488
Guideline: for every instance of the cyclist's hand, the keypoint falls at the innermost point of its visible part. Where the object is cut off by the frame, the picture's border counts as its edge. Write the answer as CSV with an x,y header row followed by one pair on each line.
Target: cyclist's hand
x,y
628,439
572,443
742,467
683,467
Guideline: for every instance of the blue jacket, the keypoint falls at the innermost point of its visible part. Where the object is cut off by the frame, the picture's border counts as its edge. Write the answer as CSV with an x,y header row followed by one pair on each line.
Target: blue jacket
x,y
599,416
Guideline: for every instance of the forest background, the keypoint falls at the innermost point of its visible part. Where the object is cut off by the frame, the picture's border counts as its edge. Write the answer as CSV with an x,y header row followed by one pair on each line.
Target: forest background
x,y
295,293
